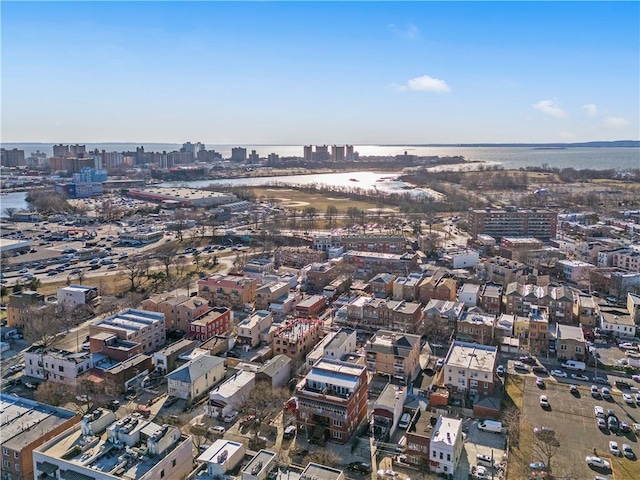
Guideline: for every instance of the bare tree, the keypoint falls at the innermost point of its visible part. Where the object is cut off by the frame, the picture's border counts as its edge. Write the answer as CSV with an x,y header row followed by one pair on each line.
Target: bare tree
x,y
45,323
545,445
54,393
310,212
330,215
166,253
198,434
135,270
10,212
264,401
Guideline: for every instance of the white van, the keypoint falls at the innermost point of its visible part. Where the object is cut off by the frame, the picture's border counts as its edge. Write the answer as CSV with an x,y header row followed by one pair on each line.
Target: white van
x,y
490,426
404,420
574,365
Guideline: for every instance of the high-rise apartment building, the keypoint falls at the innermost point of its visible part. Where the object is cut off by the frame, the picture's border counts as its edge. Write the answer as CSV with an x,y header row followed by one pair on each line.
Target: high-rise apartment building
x,y
322,153
513,222
337,153
308,153
12,158
238,154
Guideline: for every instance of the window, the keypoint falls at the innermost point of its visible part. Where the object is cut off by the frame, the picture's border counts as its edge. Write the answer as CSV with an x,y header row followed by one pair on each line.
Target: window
x,y
336,434
448,457
60,368
5,451
173,462
441,456
16,455
6,463
337,423
161,473
434,454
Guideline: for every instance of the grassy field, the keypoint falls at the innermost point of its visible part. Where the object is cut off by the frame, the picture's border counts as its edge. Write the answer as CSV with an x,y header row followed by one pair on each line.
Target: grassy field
x,y
291,198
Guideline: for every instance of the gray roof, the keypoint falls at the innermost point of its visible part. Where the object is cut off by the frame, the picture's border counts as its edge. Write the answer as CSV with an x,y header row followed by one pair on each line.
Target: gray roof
x,y
194,369
274,365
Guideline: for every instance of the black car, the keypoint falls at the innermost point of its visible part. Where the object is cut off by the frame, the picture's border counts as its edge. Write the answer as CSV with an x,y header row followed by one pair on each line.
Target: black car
x,y
529,360
622,384
360,467
539,369
232,354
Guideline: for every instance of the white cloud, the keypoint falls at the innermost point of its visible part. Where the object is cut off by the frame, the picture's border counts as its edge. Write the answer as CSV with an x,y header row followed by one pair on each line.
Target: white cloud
x,y
424,83
411,32
591,109
550,108
615,122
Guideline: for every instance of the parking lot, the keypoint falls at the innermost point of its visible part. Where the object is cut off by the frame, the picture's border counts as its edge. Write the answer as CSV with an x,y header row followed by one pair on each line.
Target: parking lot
x,y
573,420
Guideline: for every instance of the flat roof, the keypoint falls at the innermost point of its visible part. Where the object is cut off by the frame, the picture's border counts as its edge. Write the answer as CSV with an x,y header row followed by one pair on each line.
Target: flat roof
x,y
569,332
446,431
214,452
471,356
24,420
261,461
315,471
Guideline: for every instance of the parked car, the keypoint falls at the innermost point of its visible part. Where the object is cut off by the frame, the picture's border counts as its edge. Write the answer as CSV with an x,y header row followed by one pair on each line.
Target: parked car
x,y
602,423
559,373
594,461
579,376
230,417
528,360
217,430
539,370
387,474
599,411
613,448
31,386
360,467
500,370
537,466
612,423
289,432
606,393
595,393
539,383
520,366
625,427
628,399
573,389
623,384
627,451
544,401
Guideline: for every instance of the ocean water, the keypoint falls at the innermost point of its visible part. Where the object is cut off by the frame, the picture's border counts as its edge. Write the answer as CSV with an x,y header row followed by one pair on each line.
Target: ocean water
x,y
597,158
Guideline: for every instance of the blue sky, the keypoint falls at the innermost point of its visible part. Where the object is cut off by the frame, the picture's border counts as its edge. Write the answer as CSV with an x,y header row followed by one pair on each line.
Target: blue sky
x,y
326,72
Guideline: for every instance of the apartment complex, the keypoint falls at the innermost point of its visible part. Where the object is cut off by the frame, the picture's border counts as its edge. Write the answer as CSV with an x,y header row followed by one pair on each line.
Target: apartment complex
x,y
20,305
216,321
140,326
297,337
469,367
394,354
513,222
253,327
228,290
332,400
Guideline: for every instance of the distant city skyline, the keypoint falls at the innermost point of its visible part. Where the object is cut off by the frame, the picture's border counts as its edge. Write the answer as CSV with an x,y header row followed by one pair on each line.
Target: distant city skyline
x,y
289,73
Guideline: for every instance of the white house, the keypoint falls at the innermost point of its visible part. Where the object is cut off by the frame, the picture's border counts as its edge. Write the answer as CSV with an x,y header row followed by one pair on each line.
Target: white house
x,y
222,456
462,257
195,377
57,365
619,322
74,295
469,294
229,396
342,343
446,445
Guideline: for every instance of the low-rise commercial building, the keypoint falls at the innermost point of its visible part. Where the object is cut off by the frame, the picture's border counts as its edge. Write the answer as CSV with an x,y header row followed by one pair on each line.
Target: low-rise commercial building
x,y
19,439
618,322
161,451
222,457
229,396
74,295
